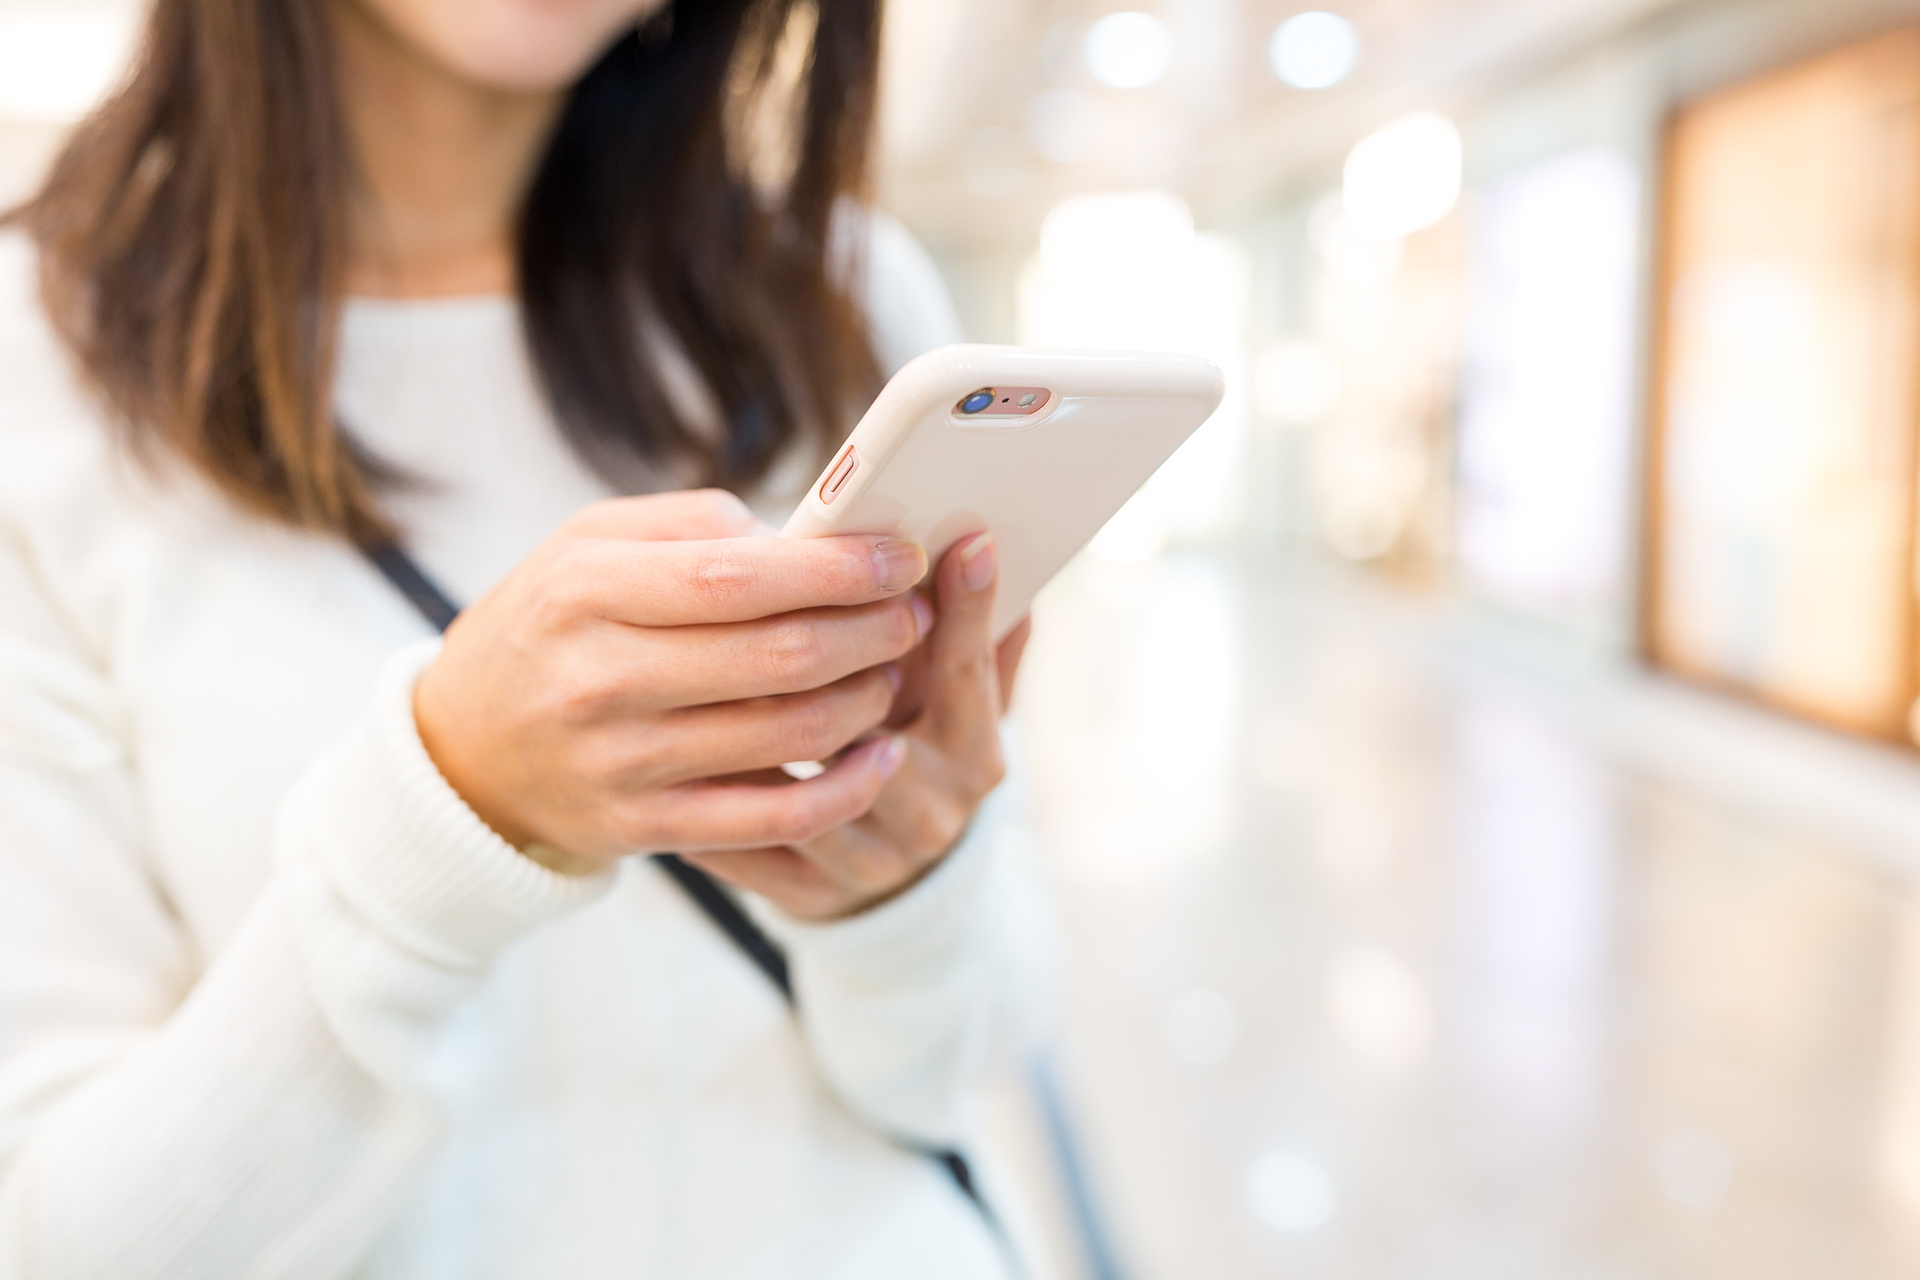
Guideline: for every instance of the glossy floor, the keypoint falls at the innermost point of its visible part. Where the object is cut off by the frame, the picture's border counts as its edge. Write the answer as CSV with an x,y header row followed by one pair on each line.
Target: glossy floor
x,y
1377,969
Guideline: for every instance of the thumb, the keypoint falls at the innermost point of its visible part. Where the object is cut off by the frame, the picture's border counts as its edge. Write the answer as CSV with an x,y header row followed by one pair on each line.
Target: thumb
x,y
963,695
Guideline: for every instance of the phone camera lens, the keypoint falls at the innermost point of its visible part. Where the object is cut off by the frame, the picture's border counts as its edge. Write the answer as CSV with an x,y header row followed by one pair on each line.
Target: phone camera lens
x,y
977,401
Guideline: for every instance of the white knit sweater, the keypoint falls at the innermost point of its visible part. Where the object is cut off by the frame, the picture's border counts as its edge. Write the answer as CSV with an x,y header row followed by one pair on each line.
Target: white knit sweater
x,y
275,1003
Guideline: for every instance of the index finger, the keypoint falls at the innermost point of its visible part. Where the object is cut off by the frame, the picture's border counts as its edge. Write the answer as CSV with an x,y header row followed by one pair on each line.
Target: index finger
x,y
672,584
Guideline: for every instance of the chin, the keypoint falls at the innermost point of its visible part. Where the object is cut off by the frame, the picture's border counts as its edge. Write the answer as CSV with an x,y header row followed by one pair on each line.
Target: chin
x,y
531,46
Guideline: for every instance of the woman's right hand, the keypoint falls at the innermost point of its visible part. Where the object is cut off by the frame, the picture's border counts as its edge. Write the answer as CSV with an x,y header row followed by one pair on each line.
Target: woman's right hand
x,y
595,703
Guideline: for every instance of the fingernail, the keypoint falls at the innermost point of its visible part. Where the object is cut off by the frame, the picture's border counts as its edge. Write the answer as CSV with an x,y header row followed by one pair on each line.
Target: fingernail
x,y
892,673
898,563
891,757
922,614
978,563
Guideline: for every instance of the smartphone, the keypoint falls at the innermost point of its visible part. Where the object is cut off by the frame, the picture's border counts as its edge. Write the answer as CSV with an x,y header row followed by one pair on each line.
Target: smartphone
x,y
1039,447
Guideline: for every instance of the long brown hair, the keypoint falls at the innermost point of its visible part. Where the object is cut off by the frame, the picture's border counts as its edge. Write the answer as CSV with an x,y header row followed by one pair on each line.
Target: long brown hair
x,y
193,245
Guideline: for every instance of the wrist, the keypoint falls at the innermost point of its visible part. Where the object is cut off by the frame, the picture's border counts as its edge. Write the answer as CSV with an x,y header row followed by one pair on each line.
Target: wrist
x,y
450,751
399,851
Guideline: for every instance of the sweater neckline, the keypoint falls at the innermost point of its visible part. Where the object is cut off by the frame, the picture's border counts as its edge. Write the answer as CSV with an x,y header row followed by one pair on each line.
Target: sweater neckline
x,y
385,321
371,305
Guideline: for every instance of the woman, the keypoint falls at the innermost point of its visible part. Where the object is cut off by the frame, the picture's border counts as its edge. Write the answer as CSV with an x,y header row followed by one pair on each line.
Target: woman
x,y
321,951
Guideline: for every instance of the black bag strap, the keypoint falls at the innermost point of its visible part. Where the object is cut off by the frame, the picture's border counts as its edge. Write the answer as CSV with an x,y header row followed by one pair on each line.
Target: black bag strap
x,y
721,908
422,592
706,893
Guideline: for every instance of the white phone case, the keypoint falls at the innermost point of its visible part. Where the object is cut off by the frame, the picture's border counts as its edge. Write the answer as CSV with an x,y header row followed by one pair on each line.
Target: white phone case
x,y
1043,485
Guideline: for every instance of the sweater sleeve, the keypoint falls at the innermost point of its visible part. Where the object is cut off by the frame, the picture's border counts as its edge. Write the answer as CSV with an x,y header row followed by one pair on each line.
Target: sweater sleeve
x,y
906,1007
255,1113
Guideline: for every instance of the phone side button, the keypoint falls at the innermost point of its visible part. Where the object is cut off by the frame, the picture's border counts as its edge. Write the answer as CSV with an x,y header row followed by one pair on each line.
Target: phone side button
x,y
837,478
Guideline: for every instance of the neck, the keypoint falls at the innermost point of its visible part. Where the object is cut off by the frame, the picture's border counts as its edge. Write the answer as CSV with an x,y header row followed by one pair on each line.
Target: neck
x,y
443,165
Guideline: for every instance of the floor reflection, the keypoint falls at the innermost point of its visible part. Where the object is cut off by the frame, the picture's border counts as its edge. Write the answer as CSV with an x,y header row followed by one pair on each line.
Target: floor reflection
x,y
1375,972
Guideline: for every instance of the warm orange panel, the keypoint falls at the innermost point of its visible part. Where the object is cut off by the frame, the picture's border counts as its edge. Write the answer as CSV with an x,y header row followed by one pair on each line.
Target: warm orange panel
x,y
1784,461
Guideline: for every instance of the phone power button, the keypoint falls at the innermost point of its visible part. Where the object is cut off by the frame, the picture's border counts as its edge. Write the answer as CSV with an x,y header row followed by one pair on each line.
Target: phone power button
x,y
837,478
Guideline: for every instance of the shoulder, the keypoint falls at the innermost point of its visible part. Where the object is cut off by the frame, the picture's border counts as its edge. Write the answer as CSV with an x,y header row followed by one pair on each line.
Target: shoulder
x,y
906,299
70,493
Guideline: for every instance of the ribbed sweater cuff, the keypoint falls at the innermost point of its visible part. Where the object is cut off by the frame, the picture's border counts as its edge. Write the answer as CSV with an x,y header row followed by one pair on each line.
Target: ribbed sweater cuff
x,y
404,851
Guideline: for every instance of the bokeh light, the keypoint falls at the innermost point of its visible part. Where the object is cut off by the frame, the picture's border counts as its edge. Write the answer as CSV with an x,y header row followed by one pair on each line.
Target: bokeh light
x,y
1129,50
1405,176
1314,50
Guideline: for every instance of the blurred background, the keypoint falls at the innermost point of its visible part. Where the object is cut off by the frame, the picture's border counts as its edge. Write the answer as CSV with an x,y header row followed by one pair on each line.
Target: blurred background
x,y
1478,773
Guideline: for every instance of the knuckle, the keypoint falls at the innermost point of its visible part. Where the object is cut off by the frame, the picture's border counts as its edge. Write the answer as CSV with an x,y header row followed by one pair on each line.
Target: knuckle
x,y
974,667
562,595
575,693
805,815
634,826
793,651
635,761
721,577
935,825
800,825
815,900
813,729
878,867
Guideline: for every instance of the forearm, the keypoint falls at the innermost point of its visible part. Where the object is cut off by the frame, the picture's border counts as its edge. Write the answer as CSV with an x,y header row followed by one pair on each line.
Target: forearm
x,y
272,1122
240,1138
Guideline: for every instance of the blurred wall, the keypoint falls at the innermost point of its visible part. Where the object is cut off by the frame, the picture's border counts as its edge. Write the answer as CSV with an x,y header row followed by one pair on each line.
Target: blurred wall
x,y
1560,109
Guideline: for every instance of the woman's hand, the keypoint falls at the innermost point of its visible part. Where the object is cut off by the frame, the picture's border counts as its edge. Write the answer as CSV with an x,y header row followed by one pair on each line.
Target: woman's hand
x,y
953,760
588,702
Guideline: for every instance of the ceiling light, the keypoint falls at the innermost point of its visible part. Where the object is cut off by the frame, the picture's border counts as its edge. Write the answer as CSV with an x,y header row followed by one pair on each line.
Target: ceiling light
x,y
1314,50
1129,50
1404,176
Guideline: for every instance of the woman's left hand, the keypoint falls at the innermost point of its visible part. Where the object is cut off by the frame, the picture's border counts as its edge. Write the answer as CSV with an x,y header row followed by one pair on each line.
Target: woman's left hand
x,y
953,761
